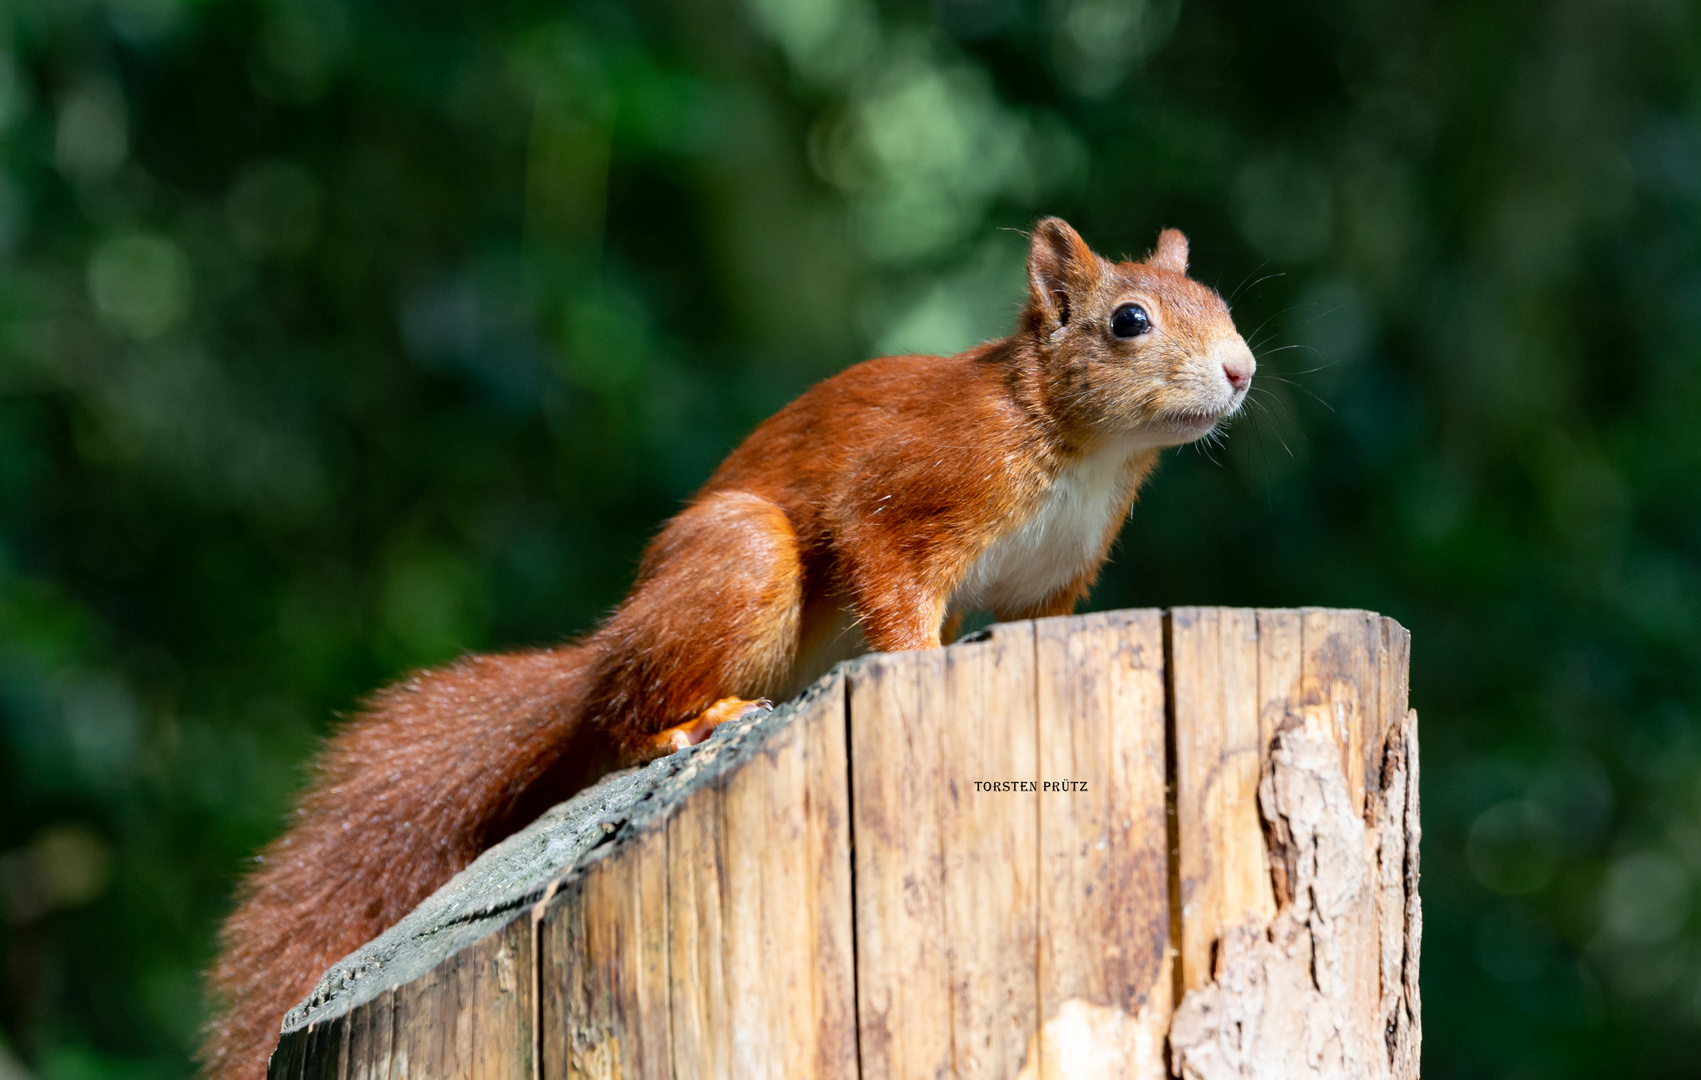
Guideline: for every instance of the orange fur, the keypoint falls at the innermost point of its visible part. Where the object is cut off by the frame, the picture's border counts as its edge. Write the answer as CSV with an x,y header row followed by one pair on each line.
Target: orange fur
x,y
865,511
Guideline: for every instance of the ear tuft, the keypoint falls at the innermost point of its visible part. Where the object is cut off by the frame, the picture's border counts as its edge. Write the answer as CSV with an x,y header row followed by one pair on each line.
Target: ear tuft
x,y
1061,267
1171,252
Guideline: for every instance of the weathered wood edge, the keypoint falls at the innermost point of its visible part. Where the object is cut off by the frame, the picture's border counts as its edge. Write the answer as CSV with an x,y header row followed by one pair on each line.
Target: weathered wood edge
x,y
504,883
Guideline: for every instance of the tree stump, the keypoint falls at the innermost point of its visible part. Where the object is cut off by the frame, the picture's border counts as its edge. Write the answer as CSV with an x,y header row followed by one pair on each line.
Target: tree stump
x,y
1128,844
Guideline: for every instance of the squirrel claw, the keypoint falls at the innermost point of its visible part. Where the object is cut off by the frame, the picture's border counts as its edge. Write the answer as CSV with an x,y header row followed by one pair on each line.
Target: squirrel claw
x,y
700,727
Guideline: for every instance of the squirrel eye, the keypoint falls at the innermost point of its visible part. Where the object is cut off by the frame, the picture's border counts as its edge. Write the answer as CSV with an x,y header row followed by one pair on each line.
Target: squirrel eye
x,y
1130,320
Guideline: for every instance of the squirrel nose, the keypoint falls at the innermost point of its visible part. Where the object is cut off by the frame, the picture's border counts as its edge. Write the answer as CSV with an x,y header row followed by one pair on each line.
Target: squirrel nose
x,y
1238,366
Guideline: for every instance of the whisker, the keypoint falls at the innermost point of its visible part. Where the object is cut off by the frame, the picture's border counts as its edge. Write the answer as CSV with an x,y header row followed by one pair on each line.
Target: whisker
x,y
1312,396
1285,348
1296,386
1255,284
1325,314
1302,390
1269,475
1280,412
1278,314
1272,417
1242,284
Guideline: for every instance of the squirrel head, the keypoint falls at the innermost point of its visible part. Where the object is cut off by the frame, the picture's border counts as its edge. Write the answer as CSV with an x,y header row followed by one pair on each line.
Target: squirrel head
x,y
1130,350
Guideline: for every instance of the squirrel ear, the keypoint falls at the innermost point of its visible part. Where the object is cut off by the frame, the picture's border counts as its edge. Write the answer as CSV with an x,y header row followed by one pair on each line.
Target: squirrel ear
x,y
1060,267
1171,252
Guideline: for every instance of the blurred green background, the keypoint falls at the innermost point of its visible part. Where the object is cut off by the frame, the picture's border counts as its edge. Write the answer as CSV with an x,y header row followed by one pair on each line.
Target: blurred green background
x,y
340,336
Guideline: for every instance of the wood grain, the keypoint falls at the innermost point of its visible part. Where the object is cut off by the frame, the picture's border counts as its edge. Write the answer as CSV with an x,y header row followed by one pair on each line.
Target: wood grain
x,y
699,1012
903,967
369,1033
718,943
785,905
946,819
1104,884
470,1017
1341,696
1224,873
324,1056
287,1059
604,1006
989,839
1335,668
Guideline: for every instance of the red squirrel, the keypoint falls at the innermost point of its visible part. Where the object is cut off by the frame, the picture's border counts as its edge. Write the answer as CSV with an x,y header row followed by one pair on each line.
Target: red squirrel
x,y
870,513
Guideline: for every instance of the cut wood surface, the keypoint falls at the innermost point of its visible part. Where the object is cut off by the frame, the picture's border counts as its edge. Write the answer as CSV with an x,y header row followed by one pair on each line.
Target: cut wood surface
x,y
1125,844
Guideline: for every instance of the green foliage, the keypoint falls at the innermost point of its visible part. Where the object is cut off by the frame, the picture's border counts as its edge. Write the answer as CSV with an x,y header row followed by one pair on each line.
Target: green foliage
x,y
340,336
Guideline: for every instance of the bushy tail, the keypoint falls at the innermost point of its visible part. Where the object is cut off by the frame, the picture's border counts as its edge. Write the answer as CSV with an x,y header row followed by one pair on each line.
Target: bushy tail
x,y
436,768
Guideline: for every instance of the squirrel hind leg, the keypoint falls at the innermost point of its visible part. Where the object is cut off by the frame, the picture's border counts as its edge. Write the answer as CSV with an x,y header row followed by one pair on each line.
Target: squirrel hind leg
x,y
716,614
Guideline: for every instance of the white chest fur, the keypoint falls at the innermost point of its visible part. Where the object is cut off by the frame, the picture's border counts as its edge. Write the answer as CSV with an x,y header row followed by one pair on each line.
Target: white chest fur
x,y
1058,539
